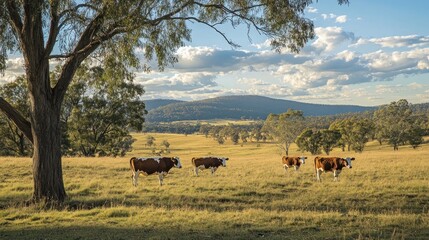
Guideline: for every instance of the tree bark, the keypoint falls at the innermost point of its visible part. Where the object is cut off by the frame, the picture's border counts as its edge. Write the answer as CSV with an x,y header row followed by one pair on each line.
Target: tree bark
x,y
46,131
47,166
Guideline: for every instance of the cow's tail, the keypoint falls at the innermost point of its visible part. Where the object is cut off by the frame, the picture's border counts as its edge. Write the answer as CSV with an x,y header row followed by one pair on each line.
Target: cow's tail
x,y
193,162
133,169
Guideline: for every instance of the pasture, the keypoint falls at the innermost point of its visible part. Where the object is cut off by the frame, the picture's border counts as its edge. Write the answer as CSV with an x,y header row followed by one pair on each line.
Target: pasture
x,y
384,196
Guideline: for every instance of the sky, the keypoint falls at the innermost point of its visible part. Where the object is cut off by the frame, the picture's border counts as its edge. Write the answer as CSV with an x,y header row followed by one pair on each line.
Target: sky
x,y
366,53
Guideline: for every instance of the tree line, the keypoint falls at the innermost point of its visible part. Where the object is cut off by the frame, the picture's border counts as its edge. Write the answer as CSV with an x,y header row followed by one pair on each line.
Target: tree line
x,y
396,124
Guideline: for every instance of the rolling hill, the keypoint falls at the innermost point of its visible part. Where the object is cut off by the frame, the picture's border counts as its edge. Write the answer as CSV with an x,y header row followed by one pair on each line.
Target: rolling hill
x,y
156,103
238,107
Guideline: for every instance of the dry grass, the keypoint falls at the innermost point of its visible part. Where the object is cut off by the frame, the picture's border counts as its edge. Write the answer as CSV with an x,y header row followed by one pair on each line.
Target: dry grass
x,y
384,196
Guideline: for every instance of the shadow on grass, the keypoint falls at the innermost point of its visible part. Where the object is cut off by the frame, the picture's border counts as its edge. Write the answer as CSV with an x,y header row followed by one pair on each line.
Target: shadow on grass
x,y
173,232
176,231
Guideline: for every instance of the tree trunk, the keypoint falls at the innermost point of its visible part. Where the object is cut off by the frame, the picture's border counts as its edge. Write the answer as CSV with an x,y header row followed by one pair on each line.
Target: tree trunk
x,y
45,112
47,167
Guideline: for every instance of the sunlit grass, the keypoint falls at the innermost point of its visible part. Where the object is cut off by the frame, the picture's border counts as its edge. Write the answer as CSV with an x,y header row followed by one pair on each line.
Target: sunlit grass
x,y
384,196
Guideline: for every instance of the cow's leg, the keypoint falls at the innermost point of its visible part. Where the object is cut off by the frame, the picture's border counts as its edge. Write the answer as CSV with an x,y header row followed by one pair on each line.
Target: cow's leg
x,y
336,174
161,177
285,167
196,171
318,172
135,178
296,168
213,169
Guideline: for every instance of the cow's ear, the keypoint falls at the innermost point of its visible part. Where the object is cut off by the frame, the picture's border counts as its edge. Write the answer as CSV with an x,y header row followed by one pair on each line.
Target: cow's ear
x,y
352,158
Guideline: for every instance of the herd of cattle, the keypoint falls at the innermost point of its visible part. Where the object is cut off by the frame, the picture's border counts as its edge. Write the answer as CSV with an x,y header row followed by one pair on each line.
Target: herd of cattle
x,y
161,165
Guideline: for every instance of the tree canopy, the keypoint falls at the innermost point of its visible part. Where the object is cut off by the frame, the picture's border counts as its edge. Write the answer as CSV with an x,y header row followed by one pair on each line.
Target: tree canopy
x,y
285,127
398,124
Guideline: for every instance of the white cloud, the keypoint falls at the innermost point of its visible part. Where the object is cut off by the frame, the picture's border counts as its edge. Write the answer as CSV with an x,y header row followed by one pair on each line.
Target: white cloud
x,y
312,10
395,63
264,45
178,82
409,41
328,16
341,19
423,64
327,39
251,81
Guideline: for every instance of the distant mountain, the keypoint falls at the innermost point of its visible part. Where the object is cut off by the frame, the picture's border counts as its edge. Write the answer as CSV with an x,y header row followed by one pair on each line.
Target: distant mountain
x,y
156,103
239,107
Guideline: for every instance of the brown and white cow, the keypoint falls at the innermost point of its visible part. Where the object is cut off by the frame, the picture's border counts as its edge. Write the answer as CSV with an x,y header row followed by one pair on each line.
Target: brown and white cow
x,y
331,164
295,162
211,163
151,165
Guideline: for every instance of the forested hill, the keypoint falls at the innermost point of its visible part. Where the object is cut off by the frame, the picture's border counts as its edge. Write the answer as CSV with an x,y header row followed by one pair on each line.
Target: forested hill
x,y
239,107
156,103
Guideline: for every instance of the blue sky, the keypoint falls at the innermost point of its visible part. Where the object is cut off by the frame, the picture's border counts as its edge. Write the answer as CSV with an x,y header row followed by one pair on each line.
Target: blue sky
x,y
368,53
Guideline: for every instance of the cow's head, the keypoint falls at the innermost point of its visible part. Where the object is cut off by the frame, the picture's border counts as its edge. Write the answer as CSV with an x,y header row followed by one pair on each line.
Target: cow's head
x,y
302,159
176,161
348,161
223,159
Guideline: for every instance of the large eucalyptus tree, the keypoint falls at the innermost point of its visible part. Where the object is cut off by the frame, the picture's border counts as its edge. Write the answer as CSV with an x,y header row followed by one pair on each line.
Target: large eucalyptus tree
x,y
71,31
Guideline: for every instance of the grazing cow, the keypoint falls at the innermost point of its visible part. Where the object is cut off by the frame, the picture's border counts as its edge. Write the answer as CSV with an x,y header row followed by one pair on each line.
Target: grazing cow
x,y
331,164
150,165
208,162
295,162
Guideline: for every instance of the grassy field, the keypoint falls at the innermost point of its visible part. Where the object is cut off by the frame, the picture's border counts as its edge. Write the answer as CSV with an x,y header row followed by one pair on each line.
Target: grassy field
x,y
384,196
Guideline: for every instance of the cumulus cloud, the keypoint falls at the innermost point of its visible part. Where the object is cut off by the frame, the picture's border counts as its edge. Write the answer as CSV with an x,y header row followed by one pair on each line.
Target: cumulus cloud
x,y
199,59
312,10
341,19
251,81
409,41
178,82
264,45
423,64
328,16
348,68
327,39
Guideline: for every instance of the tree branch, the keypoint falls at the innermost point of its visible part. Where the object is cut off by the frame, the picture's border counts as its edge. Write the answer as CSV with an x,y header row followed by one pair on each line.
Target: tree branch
x,y
17,118
54,28
77,56
213,26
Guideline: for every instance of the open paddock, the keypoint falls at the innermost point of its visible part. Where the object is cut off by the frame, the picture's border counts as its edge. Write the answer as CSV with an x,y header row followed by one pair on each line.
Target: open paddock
x,y
384,196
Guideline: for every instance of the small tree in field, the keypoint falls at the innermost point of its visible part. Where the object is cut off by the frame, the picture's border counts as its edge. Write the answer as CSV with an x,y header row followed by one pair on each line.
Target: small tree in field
x,y
398,124
166,145
73,31
150,140
285,127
